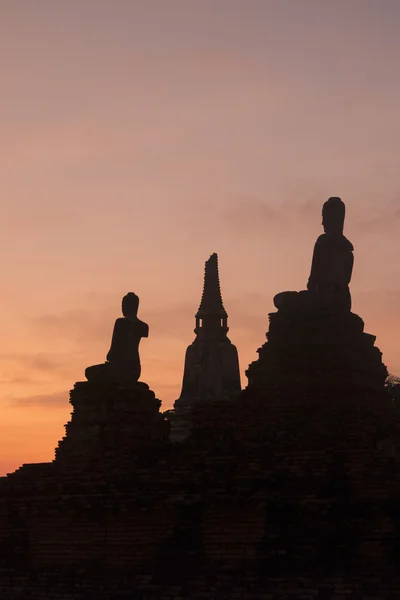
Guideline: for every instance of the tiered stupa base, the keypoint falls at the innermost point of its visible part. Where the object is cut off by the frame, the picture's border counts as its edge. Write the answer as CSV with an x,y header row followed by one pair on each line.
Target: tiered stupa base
x,y
211,375
110,423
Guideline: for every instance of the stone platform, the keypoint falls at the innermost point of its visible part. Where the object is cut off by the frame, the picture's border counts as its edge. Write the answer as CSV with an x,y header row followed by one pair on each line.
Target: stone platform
x,y
317,351
110,422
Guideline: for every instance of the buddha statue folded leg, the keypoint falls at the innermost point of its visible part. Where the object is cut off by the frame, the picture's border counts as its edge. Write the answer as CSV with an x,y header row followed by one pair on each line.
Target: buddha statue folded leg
x,y
96,372
114,371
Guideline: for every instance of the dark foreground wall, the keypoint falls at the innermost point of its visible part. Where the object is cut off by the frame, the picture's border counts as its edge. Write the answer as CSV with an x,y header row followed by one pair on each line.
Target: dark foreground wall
x,y
296,498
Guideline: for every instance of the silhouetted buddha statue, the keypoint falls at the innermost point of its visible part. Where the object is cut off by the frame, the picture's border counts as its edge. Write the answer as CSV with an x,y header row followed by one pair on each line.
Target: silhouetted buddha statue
x,y
123,361
331,269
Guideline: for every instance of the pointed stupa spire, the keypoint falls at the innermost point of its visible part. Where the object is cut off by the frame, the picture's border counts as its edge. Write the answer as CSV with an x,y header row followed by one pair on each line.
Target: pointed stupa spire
x,y
211,317
211,300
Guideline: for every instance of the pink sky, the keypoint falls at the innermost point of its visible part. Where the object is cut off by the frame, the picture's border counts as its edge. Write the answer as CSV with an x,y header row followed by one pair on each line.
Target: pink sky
x,y
139,137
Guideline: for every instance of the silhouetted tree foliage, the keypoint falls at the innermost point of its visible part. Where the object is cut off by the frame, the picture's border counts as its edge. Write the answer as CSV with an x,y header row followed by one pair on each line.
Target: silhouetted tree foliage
x,y
392,385
167,414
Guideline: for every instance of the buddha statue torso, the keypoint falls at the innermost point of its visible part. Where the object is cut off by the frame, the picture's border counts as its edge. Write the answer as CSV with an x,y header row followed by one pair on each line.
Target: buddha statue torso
x,y
126,338
332,262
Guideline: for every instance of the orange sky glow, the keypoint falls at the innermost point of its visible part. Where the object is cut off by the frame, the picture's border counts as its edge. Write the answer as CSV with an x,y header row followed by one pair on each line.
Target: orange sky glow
x,y
137,138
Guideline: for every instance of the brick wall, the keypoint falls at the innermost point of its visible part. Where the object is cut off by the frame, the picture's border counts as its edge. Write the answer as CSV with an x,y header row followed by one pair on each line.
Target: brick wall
x,y
255,500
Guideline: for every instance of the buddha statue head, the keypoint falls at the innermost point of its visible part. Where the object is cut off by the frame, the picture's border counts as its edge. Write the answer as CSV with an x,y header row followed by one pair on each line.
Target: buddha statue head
x,y
333,213
130,305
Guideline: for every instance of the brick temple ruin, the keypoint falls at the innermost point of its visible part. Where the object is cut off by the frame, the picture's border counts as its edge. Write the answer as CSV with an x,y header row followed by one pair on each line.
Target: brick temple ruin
x,y
211,369
287,490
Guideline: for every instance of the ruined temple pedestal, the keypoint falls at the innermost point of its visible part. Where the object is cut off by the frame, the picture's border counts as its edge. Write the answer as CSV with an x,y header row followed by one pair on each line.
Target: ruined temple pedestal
x,y
110,424
317,350
321,370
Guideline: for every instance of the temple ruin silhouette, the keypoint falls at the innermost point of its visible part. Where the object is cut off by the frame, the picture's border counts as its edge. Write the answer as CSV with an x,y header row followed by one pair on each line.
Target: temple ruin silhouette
x,y
289,489
211,369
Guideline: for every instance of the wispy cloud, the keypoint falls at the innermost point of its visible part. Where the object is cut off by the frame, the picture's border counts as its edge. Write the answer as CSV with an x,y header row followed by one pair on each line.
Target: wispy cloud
x,y
74,141
27,368
384,221
253,216
80,326
52,401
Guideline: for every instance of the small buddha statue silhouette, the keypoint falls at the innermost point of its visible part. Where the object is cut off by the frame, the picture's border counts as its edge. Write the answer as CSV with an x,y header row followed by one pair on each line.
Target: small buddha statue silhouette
x,y
123,361
331,268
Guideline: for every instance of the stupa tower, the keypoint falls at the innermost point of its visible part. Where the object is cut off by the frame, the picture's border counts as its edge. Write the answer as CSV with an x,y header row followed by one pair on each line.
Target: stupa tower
x,y
211,318
211,363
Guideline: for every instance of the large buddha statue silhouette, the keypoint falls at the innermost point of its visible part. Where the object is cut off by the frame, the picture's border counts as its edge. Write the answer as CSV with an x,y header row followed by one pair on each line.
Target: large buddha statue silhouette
x,y
123,361
331,269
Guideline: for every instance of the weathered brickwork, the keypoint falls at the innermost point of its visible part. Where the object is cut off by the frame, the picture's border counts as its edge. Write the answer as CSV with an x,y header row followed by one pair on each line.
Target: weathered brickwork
x,y
109,421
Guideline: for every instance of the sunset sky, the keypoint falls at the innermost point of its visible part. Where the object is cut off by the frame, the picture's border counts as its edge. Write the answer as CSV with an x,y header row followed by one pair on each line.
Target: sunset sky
x,y
140,136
